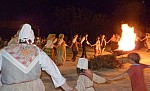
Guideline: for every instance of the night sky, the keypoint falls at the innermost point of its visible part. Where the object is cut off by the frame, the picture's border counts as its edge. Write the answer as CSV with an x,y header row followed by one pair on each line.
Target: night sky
x,y
39,12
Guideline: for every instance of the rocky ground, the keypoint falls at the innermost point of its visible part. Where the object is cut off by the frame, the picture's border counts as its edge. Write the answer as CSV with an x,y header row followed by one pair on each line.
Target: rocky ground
x,y
68,70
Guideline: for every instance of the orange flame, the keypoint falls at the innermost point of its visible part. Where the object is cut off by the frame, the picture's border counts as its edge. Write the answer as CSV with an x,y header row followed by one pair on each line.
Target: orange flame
x,y
127,40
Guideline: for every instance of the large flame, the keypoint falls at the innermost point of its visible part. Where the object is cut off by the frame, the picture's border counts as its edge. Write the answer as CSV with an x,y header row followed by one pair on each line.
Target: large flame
x,y
127,40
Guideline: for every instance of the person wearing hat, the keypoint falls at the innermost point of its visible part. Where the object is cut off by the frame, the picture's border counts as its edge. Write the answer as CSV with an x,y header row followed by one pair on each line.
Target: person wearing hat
x,y
86,77
49,46
21,64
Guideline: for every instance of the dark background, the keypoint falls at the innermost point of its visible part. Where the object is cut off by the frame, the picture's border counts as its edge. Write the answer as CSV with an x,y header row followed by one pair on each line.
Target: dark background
x,y
63,16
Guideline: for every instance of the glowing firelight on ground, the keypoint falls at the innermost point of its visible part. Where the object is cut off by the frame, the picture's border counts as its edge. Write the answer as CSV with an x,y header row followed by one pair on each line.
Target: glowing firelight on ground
x,y
127,40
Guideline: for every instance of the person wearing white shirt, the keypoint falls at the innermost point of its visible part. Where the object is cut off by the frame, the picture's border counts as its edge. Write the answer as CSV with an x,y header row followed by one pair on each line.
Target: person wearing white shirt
x,y
49,46
21,64
84,43
74,46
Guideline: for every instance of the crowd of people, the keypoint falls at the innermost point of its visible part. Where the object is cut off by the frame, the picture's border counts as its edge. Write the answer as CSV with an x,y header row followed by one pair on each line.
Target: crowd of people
x,y
55,47
23,55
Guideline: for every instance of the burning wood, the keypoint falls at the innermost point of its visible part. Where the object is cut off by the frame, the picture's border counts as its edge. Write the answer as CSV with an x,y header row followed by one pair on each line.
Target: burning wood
x,y
127,40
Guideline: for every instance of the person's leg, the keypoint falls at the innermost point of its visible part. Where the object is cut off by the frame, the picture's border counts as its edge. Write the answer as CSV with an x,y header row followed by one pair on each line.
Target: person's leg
x,y
148,47
83,52
75,56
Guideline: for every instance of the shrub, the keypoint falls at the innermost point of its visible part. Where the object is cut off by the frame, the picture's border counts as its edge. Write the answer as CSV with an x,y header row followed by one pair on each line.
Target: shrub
x,y
104,61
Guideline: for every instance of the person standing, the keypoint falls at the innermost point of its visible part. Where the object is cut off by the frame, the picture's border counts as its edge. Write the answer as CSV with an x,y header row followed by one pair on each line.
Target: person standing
x,y
114,44
137,44
135,72
49,47
74,46
84,43
21,64
147,40
103,44
97,47
61,50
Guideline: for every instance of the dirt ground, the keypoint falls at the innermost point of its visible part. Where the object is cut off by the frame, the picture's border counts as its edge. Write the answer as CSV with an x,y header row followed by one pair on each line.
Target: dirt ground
x,y
68,70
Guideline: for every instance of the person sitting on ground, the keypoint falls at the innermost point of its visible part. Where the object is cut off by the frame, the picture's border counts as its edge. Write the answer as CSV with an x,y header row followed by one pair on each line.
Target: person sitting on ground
x,y
86,77
135,72
21,64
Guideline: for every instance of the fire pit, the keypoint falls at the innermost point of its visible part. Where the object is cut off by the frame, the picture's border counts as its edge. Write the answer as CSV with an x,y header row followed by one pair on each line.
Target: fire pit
x,y
127,41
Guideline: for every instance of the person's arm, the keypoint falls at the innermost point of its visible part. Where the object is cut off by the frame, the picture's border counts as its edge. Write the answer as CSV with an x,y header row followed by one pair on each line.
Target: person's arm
x,y
88,43
10,42
139,38
60,42
93,45
143,39
49,66
119,76
73,41
55,40
82,40
98,79
148,66
43,47
80,86
109,40
75,89
71,45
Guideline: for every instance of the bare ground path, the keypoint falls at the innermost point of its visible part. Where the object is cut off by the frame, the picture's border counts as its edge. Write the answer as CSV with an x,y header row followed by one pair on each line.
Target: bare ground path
x,y
68,70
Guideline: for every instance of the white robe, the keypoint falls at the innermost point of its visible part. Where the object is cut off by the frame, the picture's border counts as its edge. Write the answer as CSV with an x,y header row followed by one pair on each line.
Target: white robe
x,y
18,75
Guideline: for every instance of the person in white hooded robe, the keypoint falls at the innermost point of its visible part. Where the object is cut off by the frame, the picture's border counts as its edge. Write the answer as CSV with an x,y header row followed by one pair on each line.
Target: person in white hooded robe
x,y
21,63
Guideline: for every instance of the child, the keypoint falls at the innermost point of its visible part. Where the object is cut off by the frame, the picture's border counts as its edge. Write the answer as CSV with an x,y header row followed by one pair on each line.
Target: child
x,y
135,72
86,77
97,47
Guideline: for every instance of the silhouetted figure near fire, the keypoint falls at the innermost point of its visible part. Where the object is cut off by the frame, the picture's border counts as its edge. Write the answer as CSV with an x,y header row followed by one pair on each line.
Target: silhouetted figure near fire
x,y
114,44
147,40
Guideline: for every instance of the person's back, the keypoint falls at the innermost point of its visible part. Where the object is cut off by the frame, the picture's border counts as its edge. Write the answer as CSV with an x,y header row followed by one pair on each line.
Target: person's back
x,y
14,56
20,65
135,72
137,77
86,77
